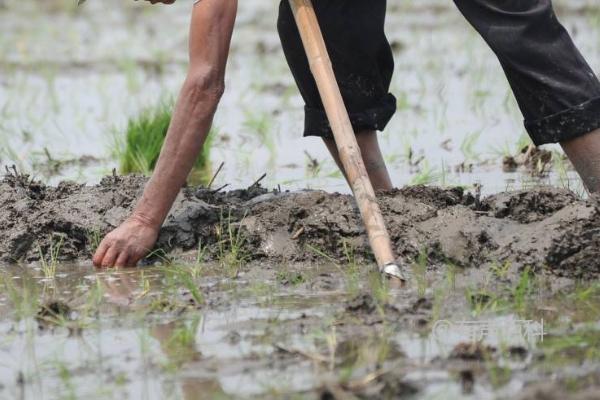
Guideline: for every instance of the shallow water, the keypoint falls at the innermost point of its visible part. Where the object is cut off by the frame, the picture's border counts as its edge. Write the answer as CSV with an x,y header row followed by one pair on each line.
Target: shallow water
x,y
138,334
71,77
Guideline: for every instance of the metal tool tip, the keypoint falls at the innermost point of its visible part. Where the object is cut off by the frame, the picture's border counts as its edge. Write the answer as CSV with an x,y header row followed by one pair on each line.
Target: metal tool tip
x,y
392,270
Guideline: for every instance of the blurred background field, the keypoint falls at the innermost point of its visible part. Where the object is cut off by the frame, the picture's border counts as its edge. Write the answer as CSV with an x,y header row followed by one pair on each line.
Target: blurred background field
x,y
72,77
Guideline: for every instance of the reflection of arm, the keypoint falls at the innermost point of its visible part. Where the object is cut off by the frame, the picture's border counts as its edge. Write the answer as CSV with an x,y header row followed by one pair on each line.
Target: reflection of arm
x,y
210,36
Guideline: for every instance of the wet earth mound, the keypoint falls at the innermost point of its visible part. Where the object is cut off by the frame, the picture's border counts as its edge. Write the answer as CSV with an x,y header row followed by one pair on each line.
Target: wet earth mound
x,y
545,228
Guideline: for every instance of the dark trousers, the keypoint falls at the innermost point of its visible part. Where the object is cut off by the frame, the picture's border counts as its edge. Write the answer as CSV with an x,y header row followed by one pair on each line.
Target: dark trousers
x,y
556,90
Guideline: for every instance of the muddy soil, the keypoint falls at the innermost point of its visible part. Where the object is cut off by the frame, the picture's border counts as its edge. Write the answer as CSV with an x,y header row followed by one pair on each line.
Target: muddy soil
x,y
545,227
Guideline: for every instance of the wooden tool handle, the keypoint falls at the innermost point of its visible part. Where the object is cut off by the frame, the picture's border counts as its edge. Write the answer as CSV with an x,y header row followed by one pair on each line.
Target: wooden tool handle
x,y
320,65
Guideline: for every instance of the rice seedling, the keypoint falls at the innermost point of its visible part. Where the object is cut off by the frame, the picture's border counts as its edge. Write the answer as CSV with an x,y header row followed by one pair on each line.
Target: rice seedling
x,y
451,275
230,245
500,270
380,289
467,147
139,149
352,269
129,68
200,253
66,379
292,278
24,298
522,290
49,261
419,269
440,294
563,349
184,276
94,296
261,124
426,175
93,238
264,291
402,102
480,300
499,374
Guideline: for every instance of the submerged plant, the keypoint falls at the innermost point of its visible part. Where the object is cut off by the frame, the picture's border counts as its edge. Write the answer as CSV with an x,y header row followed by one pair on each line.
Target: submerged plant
x,y
24,298
138,152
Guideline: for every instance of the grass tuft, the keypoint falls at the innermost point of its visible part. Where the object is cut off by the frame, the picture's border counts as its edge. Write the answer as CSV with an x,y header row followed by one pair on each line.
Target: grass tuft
x,y
49,261
138,151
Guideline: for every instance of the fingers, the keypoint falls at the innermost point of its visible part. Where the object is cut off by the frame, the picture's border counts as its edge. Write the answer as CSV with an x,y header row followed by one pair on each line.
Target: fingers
x,y
122,259
100,253
110,257
135,257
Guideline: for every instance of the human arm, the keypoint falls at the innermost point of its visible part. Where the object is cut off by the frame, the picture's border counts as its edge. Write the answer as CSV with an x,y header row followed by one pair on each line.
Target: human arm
x,y
210,37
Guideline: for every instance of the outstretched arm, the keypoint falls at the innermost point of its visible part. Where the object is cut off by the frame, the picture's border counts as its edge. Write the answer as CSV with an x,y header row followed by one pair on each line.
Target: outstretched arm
x,y
210,36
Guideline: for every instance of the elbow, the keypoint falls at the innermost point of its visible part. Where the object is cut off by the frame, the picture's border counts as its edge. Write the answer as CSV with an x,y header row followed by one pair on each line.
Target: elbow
x,y
205,86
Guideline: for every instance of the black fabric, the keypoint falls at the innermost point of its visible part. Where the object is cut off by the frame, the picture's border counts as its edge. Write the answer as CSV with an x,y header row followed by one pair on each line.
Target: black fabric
x,y
362,61
556,90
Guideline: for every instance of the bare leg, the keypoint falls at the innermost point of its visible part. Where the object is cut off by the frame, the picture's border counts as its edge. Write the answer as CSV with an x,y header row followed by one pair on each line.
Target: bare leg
x,y
584,153
371,153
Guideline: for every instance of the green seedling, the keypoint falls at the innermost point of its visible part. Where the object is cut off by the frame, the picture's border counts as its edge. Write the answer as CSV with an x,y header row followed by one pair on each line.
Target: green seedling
x,y
419,269
143,140
184,276
500,270
230,241
49,261
24,298
522,291
426,175
481,300
94,237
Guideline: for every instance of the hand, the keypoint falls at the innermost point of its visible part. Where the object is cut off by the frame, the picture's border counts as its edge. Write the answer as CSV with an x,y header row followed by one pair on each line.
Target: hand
x,y
126,245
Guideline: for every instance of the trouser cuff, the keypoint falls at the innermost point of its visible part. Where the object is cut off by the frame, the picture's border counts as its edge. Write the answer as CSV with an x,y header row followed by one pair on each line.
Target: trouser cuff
x,y
376,119
567,124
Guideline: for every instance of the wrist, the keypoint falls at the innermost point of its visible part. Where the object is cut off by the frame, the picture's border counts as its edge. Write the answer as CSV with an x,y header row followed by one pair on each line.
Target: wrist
x,y
145,220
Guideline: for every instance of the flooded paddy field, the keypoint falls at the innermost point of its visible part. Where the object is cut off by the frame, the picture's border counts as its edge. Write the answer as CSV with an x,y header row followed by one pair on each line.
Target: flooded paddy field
x,y
256,293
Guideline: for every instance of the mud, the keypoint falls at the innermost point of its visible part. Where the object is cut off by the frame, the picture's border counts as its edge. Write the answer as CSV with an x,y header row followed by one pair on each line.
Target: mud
x,y
543,228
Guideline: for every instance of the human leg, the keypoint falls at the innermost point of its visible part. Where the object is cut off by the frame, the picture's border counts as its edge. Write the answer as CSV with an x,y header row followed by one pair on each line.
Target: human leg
x,y
557,92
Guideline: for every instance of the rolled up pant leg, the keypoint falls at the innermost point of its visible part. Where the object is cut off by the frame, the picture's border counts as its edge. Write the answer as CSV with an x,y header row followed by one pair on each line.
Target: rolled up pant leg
x,y
362,61
557,91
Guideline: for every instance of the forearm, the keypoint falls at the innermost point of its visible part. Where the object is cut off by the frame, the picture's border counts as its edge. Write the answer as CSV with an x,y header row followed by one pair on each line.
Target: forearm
x,y
190,124
210,35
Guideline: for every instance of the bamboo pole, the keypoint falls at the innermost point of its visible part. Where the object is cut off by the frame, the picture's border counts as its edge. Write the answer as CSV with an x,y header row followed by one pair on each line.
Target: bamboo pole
x,y
322,70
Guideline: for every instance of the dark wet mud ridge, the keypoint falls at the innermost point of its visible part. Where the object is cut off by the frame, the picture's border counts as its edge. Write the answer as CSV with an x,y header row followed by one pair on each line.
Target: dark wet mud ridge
x,y
545,227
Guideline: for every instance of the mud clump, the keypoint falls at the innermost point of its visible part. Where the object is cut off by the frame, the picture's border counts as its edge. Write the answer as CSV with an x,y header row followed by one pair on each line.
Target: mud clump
x,y
541,228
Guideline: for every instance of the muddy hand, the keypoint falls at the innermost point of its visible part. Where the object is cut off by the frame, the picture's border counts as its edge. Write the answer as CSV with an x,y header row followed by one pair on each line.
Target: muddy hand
x,y
126,245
